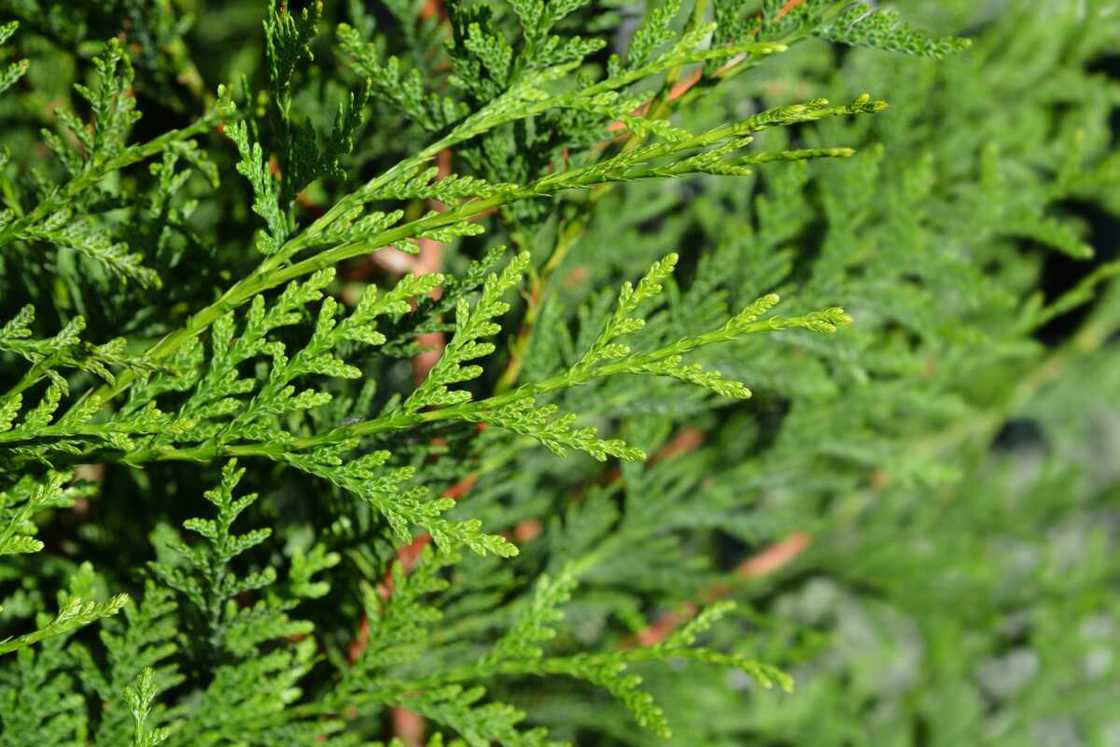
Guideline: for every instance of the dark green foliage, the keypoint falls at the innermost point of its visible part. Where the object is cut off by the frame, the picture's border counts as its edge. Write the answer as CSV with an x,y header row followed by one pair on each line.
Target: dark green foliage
x,y
727,375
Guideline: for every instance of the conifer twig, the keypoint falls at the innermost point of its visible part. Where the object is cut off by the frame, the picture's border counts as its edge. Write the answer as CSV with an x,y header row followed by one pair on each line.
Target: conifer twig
x,y
574,228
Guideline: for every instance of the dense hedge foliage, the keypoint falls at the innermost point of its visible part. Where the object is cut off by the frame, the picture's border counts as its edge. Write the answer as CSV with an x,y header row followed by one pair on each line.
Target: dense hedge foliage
x,y
728,373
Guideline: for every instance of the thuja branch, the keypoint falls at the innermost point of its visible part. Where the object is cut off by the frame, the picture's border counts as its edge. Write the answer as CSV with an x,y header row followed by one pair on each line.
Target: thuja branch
x,y
702,153
523,100
506,410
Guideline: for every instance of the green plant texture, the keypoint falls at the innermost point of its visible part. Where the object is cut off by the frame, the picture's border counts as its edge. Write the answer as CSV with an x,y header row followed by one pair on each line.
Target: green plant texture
x,y
540,372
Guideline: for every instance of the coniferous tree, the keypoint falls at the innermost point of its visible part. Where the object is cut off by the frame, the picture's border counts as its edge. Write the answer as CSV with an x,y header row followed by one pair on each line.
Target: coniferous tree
x,y
551,371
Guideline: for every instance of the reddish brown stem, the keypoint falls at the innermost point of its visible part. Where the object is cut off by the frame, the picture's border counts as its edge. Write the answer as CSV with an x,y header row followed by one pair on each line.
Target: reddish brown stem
x,y
762,563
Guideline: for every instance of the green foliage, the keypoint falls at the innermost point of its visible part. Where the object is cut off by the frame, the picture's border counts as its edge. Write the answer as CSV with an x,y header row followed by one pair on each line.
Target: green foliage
x,y
471,325
884,29
266,202
19,505
278,361
855,23
140,704
15,70
72,614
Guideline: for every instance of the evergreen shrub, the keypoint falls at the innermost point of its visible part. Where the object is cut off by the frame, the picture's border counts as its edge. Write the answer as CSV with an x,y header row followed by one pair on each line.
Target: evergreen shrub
x,y
727,372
